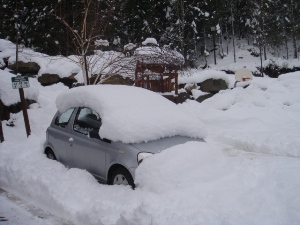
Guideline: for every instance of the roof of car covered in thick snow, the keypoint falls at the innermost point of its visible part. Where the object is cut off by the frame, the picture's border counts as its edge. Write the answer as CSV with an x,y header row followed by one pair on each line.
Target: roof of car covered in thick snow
x,y
131,114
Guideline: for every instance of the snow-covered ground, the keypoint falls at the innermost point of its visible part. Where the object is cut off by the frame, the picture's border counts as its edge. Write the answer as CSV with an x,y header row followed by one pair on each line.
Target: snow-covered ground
x,y
246,171
14,211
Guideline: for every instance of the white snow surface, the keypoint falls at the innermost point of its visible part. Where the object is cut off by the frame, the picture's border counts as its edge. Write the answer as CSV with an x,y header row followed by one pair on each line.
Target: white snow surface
x,y
153,54
150,41
246,171
62,66
21,211
198,76
132,114
101,42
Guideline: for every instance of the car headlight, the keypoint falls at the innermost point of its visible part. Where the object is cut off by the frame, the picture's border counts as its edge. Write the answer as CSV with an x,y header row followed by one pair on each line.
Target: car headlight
x,y
142,156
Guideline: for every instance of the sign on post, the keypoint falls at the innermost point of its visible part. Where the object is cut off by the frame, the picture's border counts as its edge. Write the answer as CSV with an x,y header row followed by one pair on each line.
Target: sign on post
x,y
243,74
20,82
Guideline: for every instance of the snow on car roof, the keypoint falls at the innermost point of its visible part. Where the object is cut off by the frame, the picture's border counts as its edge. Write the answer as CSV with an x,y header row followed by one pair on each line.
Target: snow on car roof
x,y
131,114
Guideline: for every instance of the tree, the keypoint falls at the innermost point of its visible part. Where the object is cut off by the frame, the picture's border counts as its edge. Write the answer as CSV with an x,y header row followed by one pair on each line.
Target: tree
x,y
185,28
140,19
31,19
293,9
89,22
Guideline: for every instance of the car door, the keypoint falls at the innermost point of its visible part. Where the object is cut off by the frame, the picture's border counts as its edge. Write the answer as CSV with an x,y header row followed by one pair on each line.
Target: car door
x,y
57,135
85,151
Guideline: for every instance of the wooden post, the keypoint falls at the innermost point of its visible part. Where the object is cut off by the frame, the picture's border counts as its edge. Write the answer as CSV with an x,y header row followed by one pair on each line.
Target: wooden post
x,y
21,91
148,82
136,73
176,83
161,84
214,49
24,109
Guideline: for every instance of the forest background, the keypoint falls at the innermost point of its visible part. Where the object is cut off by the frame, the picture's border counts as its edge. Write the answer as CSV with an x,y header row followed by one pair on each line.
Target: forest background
x,y
194,28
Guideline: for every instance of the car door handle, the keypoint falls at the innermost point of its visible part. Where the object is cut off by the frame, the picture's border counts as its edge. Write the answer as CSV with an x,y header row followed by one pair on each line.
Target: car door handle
x,y
71,140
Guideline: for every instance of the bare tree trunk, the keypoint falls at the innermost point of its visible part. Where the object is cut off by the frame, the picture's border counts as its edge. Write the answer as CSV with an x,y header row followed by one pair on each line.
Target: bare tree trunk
x,y
287,48
181,18
221,50
195,49
232,25
262,27
84,68
265,52
264,38
227,39
248,39
261,61
205,58
294,29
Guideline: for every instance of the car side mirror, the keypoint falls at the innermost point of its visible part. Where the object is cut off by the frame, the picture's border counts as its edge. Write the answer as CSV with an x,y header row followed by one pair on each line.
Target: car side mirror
x,y
94,134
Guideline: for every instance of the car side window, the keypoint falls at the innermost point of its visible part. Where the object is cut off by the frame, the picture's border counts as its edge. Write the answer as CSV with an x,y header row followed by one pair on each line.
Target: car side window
x,y
62,119
86,120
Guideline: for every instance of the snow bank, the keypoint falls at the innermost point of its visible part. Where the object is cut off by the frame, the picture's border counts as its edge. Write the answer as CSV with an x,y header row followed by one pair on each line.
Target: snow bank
x,y
7,49
199,157
72,194
283,63
289,76
248,55
62,66
261,118
59,65
5,44
211,188
200,76
132,114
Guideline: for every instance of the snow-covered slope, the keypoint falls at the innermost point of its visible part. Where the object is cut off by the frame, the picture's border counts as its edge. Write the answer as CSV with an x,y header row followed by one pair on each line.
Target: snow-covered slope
x,y
247,171
227,180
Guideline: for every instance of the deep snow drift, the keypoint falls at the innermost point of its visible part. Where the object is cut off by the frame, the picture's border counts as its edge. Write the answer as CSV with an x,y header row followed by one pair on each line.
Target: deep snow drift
x,y
247,172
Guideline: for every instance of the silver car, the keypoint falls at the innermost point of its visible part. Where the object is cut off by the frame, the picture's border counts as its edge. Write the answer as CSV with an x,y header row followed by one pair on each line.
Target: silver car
x,y
73,139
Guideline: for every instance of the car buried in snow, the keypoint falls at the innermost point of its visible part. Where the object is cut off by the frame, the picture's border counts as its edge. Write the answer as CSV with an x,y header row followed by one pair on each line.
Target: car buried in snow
x,y
109,130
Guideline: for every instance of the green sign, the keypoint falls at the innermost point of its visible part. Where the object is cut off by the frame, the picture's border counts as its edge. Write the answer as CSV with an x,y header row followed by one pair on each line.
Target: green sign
x,y
20,82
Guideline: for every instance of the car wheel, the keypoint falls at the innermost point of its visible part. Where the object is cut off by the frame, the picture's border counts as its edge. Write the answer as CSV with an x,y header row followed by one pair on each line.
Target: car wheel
x,y
50,154
121,176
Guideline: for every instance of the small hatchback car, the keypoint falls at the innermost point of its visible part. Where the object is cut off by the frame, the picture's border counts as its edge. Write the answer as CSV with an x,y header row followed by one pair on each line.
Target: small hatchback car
x,y
88,133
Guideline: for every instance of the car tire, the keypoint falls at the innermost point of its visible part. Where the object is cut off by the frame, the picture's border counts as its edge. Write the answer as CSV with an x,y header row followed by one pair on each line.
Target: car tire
x,y
50,154
121,176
